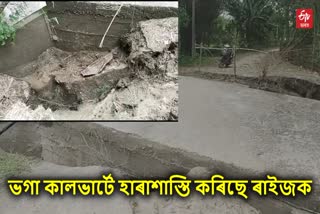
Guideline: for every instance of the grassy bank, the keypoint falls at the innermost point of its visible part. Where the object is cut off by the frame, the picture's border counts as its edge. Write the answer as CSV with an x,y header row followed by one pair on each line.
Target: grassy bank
x,y
13,165
195,61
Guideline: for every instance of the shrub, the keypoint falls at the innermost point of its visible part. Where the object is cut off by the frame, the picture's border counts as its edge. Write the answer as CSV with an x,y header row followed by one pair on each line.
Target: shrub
x,y
7,32
12,165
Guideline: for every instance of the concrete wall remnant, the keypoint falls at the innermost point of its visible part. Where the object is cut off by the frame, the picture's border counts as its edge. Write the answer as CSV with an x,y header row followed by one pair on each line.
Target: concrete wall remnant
x,y
30,42
82,24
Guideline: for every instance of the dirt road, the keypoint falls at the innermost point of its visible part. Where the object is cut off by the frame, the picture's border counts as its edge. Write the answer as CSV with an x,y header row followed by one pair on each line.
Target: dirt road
x,y
252,64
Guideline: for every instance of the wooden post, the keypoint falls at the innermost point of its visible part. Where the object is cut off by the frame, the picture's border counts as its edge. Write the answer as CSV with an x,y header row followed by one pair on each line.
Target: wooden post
x,y
193,28
235,56
234,61
200,60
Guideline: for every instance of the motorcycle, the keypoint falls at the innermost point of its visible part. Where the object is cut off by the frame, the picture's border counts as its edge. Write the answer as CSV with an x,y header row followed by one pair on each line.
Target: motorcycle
x,y
226,59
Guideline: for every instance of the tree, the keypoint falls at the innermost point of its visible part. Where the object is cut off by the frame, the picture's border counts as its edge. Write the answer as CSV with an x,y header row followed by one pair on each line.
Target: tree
x,y
206,12
184,21
184,18
252,19
301,46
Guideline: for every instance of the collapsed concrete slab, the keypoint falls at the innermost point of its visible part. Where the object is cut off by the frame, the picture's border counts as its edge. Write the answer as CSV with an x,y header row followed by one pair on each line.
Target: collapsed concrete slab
x,y
160,33
97,66
153,47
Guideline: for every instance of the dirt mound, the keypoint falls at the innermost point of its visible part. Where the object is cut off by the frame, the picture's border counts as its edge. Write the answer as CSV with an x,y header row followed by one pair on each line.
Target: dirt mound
x,y
55,95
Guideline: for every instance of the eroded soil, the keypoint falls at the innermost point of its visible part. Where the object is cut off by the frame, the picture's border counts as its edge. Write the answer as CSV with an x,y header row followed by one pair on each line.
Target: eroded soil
x,y
138,80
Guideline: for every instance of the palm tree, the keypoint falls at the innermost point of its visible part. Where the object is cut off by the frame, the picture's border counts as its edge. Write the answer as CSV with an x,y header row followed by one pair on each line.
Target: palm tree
x,y
251,19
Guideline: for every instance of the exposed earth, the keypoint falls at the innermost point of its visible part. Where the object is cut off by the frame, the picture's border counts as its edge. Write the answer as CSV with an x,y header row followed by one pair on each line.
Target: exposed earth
x,y
136,81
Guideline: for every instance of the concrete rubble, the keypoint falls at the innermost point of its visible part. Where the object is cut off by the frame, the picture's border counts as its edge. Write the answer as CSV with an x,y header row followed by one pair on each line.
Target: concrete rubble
x,y
11,91
141,100
20,111
153,60
97,66
153,47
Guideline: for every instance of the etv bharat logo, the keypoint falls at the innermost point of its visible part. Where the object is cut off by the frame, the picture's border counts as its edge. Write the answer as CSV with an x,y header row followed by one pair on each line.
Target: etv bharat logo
x,y
304,18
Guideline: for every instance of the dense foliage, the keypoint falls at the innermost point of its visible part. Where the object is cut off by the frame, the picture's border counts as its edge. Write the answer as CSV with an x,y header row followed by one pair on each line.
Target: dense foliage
x,y
206,12
252,23
251,19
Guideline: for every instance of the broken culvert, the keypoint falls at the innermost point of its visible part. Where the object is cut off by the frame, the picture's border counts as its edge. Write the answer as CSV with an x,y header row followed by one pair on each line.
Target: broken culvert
x,y
70,81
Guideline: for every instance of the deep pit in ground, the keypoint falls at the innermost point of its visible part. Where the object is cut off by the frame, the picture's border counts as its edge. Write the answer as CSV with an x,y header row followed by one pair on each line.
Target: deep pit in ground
x,y
82,145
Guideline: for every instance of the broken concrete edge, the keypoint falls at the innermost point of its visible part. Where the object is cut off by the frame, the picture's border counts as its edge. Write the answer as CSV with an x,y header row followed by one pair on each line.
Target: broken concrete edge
x,y
4,126
279,84
138,157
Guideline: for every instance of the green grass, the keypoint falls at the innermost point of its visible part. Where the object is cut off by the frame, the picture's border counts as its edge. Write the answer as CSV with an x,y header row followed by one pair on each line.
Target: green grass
x,y
13,165
194,61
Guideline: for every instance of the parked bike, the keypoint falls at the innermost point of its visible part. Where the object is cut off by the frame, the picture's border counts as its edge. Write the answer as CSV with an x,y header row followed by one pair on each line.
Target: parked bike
x,y
227,57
